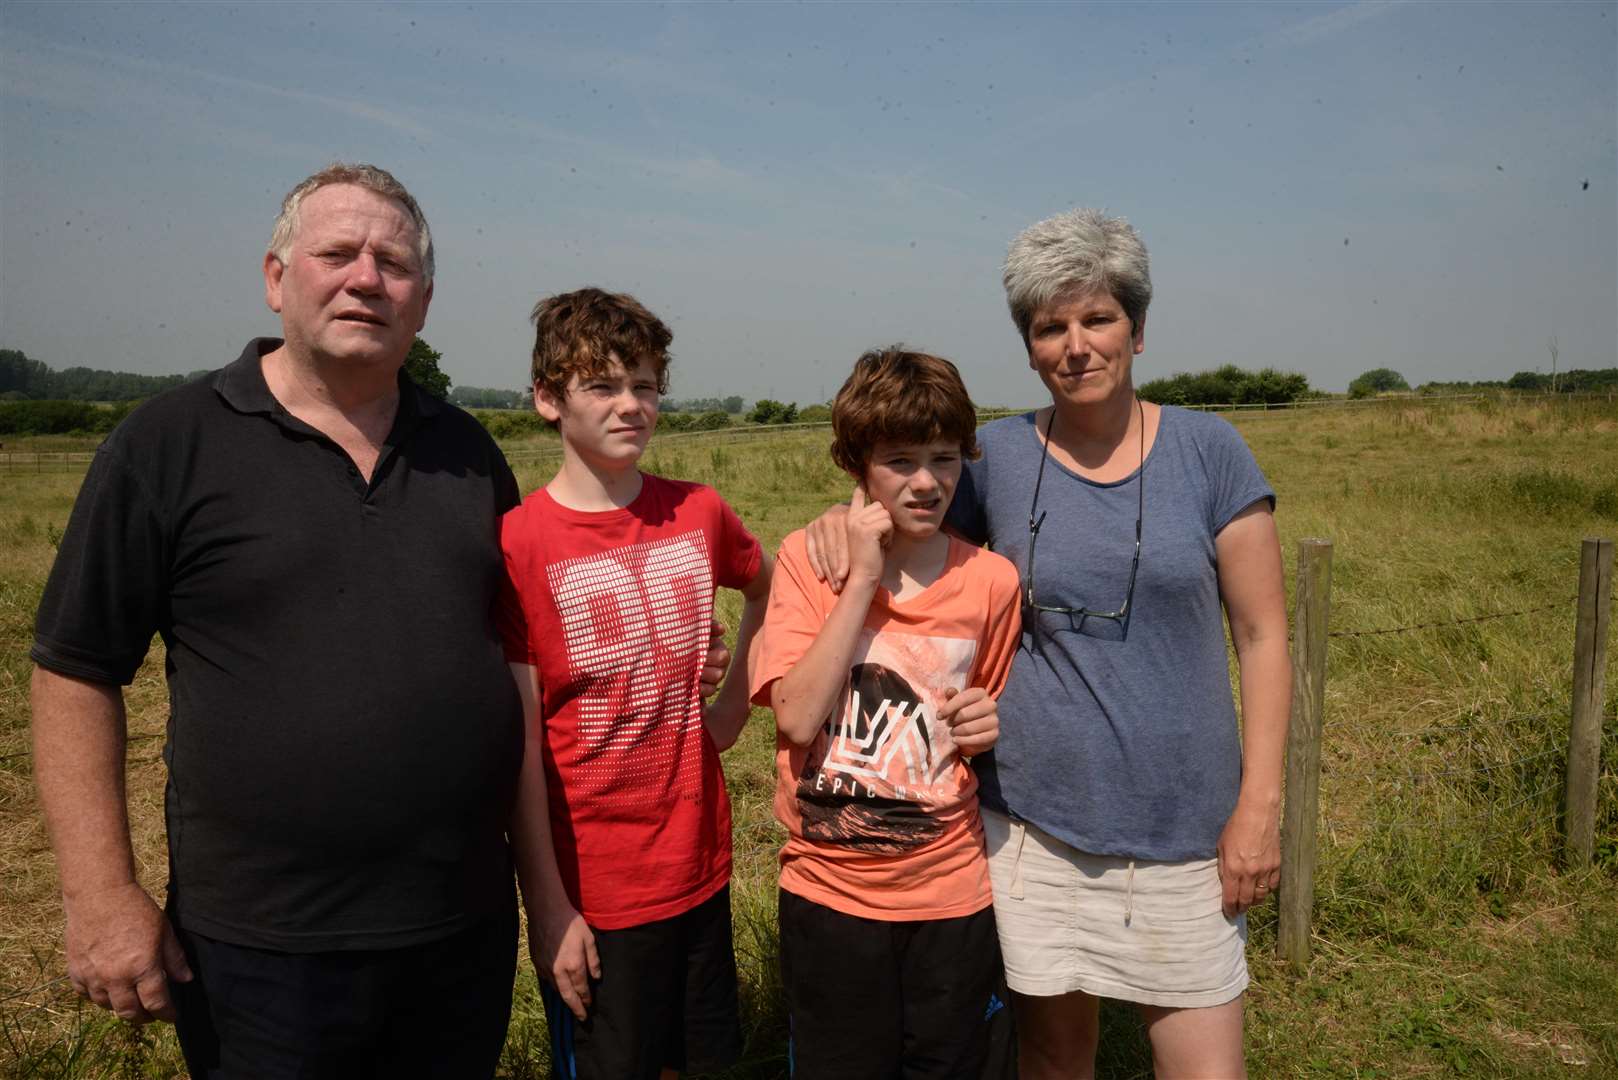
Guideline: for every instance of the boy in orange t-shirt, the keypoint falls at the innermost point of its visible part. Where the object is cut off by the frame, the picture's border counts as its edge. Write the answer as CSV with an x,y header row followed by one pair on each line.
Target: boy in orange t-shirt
x,y
880,693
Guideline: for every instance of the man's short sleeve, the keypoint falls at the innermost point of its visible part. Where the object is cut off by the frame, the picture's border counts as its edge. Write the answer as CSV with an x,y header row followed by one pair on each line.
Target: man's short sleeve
x,y
737,561
507,495
796,612
108,592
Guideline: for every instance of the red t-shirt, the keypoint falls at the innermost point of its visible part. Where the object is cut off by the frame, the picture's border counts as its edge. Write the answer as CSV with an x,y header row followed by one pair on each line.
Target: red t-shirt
x,y
613,608
881,811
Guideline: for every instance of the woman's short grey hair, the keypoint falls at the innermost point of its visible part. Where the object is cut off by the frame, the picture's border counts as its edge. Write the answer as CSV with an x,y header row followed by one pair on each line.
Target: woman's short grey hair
x,y
1078,251
368,177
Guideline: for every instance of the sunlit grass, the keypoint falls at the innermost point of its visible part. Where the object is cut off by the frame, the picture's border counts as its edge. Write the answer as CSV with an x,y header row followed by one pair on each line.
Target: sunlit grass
x,y
1447,939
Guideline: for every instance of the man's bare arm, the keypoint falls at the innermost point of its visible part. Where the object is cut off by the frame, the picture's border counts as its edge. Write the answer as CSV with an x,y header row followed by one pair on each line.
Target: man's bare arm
x,y
121,951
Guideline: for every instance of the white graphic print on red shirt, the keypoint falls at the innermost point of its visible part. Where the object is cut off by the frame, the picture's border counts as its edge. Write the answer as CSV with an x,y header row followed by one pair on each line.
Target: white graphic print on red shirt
x,y
632,622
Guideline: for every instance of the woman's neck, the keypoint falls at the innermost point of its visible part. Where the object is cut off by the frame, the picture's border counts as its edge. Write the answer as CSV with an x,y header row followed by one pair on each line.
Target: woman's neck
x,y
1091,433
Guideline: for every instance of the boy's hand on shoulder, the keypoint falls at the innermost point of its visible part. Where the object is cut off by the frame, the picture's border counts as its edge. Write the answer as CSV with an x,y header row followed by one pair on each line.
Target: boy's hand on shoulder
x,y
869,528
564,955
973,719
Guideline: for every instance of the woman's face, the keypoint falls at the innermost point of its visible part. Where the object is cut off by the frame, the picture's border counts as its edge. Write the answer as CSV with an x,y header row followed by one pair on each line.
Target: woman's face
x,y
1083,347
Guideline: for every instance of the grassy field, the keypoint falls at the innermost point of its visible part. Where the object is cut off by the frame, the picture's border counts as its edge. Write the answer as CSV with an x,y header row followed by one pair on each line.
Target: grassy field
x,y
1447,939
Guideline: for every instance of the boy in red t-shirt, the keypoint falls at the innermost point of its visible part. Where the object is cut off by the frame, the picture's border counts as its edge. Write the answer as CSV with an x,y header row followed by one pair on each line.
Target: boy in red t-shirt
x,y
889,957
622,829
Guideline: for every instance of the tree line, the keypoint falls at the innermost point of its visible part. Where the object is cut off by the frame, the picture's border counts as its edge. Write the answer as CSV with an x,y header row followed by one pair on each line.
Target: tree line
x,y
24,379
36,400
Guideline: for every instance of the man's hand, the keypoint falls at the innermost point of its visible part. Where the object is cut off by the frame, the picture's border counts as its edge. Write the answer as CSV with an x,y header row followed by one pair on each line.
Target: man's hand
x,y
564,955
1249,858
716,663
868,529
973,719
122,953
826,540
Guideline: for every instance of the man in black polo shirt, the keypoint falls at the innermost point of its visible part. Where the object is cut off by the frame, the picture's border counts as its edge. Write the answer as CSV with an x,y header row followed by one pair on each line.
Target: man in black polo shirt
x,y
315,539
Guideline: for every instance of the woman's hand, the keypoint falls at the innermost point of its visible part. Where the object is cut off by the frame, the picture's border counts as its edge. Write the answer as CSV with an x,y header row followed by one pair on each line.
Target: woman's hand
x,y
826,539
867,530
1249,857
973,719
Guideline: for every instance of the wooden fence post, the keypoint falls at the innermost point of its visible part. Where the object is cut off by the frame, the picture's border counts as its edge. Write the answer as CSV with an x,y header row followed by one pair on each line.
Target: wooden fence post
x,y
1302,810
1589,698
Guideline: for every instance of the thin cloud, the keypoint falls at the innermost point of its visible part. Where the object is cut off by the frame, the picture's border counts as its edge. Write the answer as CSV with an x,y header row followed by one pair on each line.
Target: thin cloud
x,y
359,110
1329,25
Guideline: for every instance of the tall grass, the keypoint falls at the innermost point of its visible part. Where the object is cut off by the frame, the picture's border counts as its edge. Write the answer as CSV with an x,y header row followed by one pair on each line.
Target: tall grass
x,y
1448,941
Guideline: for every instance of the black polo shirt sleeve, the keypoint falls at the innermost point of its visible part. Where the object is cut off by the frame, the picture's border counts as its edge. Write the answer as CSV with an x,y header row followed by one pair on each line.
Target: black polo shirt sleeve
x,y
107,594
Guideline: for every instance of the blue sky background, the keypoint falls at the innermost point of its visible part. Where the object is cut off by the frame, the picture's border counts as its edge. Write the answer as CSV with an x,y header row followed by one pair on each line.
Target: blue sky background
x,y
1324,188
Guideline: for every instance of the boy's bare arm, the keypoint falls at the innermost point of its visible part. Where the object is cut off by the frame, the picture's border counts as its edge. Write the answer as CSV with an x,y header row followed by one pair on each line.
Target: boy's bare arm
x,y
559,940
805,696
728,714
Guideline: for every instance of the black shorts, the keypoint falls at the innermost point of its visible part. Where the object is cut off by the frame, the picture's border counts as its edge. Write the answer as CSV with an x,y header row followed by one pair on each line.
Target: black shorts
x,y
869,999
433,1010
666,999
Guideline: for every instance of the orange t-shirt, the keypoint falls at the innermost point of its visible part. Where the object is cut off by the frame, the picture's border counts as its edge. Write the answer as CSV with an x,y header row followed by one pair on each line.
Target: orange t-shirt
x,y
882,810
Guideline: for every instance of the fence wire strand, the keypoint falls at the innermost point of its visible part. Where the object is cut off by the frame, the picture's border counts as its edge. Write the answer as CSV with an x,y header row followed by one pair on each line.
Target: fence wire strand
x,y
1449,622
1415,776
1443,822
1468,727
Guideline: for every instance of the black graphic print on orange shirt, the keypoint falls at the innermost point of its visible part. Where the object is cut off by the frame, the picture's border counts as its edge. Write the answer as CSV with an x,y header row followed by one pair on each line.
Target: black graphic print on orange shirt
x,y
868,779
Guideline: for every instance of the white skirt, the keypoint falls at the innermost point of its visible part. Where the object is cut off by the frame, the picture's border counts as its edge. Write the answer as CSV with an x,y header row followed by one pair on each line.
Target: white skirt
x,y
1149,932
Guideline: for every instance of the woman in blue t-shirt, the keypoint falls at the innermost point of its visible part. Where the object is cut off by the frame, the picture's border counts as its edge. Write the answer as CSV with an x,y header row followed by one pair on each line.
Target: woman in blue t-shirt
x,y
1129,825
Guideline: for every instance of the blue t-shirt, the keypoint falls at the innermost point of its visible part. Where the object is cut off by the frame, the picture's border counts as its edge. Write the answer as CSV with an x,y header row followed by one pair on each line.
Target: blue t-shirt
x,y
1118,738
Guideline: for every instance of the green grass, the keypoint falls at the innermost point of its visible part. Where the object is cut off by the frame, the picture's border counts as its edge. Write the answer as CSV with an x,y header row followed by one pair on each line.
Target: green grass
x,y
1448,940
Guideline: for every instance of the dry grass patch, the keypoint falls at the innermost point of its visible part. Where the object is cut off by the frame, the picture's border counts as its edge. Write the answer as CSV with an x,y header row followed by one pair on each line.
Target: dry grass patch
x,y
1445,941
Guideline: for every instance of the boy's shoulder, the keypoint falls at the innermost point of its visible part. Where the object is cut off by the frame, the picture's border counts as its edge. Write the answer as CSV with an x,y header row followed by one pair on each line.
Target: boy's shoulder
x,y
540,524
677,488
795,547
979,564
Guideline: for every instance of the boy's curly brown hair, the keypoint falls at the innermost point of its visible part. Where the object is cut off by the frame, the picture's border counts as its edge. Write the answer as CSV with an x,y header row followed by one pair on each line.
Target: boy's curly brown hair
x,y
582,332
895,395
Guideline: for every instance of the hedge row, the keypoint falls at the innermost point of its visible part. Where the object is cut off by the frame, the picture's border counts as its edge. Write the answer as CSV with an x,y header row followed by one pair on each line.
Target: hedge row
x,y
60,417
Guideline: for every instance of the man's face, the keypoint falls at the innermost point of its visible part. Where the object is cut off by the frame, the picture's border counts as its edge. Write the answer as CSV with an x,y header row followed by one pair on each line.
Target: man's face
x,y
351,291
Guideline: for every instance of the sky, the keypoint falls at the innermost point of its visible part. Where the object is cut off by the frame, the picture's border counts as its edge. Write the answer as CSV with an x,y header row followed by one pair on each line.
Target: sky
x,y
1324,188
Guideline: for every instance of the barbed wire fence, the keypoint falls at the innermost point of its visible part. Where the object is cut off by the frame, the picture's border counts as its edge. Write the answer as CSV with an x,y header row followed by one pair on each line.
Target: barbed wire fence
x,y
1570,765
1480,791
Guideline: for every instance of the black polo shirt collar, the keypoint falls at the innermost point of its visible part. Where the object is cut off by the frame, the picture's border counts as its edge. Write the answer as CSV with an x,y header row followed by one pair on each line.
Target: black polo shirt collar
x,y
241,384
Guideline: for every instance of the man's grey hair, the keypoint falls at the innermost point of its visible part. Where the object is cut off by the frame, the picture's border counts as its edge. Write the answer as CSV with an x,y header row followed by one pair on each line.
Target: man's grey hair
x,y
368,177
1077,251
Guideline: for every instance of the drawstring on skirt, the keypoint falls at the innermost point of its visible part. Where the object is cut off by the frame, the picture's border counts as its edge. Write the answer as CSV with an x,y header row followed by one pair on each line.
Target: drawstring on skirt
x,y
1129,894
